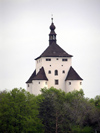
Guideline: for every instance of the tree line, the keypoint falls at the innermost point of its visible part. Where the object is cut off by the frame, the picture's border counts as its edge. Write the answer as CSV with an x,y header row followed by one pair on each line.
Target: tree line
x,y
53,111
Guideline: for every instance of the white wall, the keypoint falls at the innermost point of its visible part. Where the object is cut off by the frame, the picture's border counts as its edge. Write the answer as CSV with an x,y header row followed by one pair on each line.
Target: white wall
x,y
29,87
37,85
38,64
75,85
56,63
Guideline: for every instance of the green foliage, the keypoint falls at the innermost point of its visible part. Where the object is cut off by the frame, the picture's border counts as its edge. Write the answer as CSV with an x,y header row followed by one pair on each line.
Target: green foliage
x,y
77,129
53,111
18,112
60,111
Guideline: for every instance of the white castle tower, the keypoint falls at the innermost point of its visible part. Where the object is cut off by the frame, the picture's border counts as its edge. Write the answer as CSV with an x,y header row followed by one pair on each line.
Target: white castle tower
x,y
54,69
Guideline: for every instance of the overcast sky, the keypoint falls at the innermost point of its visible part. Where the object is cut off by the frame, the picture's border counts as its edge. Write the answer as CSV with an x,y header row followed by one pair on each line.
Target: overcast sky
x,y
24,29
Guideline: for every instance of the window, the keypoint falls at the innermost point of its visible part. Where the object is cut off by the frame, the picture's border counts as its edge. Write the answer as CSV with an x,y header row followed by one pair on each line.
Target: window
x,y
56,82
80,83
28,85
64,59
61,65
57,59
49,72
50,65
39,82
69,83
46,83
63,71
48,59
56,72
50,37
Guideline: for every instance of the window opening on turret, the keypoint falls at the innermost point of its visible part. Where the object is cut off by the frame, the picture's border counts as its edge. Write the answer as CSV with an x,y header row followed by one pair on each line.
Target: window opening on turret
x,y
48,59
63,71
28,85
80,83
69,83
56,82
54,37
56,72
49,72
64,59
39,82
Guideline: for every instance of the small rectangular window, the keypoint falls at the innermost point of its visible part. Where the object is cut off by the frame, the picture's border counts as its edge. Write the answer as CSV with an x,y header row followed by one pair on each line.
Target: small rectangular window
x,y
64,59
80,83
48,59
56,82
69,83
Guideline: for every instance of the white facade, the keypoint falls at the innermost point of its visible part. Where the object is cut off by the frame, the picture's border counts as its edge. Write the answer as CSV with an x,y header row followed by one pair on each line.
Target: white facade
x,y
52,65
72,85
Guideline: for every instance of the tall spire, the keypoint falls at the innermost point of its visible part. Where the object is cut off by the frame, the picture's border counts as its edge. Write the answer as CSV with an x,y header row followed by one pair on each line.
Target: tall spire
x,y
52,35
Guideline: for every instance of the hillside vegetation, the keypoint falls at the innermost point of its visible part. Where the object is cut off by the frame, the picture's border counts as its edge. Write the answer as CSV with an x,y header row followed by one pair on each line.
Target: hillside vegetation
x,y
53,111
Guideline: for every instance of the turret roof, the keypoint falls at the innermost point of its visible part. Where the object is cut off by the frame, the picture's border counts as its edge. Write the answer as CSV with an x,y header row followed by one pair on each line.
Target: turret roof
x,y
39,76
73,75
31,77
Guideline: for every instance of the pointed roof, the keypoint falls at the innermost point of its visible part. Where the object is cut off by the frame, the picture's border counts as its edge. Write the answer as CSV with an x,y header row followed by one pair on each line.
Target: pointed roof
x,y
40,75
54,50
31,77
73,75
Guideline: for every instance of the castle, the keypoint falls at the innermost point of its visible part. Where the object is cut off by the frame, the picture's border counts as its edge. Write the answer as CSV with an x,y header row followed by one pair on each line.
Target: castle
x,y
54,69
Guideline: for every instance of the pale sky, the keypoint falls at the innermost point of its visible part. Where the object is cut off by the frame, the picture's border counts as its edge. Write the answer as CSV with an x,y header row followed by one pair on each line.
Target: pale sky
x,y
24,29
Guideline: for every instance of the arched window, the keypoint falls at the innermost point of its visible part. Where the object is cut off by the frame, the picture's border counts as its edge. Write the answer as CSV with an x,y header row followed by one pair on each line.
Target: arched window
x,y
56,72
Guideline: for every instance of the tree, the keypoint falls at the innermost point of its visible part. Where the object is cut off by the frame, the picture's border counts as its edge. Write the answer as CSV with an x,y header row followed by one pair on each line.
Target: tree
x,y
69,112
19,112
52,110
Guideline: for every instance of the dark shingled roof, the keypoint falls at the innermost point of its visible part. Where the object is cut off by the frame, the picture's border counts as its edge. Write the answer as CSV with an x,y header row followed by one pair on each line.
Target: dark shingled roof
x,y
40,75
72,75
54,50
31,77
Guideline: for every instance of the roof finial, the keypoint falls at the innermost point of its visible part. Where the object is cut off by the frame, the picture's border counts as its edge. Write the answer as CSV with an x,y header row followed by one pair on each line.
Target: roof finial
x,y
52,18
